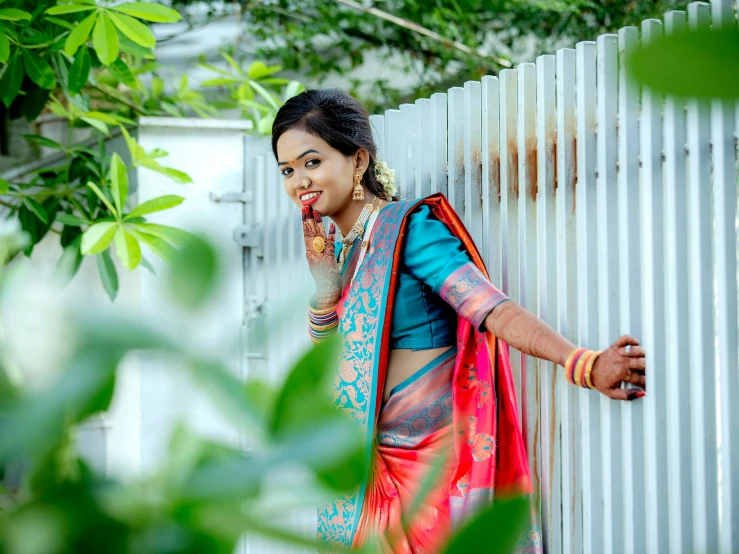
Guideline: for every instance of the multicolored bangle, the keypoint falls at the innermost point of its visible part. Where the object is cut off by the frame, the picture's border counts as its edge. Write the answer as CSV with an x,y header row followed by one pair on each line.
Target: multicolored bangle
x,y
322,323
579,366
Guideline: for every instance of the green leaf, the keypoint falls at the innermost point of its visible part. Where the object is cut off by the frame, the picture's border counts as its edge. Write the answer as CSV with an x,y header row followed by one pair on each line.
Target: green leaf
x,y
128,249
259,69
69,8
147,264
194,272
233,64
108,274
70,260
59,21
293,89
700,64
175,174
79,71
12,14
134,29
36,208
98,237
120,70
130,47
35,102
105,39
118,181
157,87
38,69
4,47
219,82
79,35
160,247
71,220
265,94
498,528
97,124
265,124
155,205
149,12
256,105
4,186
10,84
43,141
303,396
102,197
170,234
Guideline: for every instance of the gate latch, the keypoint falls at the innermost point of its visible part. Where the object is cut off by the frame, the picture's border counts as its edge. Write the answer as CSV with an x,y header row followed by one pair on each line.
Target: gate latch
x,y
249,236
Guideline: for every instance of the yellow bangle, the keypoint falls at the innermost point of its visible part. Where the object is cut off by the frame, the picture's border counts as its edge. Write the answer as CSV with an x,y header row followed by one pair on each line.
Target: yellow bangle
x,y
589,369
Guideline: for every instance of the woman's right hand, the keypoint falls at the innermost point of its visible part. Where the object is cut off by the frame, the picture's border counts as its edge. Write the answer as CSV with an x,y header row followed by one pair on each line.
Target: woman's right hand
x,y
319,249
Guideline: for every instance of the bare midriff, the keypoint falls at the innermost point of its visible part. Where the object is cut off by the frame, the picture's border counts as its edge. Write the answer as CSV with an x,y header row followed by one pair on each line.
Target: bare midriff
x,y
403,362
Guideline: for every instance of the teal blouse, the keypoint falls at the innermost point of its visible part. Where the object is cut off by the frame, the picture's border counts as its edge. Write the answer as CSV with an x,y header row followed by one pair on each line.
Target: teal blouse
x,y
436,281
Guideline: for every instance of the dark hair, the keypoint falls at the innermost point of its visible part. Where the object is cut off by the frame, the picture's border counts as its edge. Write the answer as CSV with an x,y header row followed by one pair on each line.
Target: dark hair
x,y
336,117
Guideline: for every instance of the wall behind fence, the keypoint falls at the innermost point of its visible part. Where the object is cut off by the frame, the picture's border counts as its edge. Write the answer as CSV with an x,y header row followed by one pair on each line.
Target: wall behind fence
x,y
606,210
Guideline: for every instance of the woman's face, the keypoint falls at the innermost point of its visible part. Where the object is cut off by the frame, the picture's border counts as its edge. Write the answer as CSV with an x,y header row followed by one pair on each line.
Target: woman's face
x,y
305,157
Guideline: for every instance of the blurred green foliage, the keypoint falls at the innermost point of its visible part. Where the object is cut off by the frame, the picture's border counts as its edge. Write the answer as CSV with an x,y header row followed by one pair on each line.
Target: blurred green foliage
x,y
206,495
691,64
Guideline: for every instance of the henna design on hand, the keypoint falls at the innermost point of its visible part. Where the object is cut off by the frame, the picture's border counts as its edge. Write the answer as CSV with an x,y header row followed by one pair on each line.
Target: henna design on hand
x,y
623,361
323,265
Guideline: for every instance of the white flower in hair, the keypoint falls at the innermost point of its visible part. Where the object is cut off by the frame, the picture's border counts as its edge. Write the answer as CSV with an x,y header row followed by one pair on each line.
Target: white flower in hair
x,y
386,177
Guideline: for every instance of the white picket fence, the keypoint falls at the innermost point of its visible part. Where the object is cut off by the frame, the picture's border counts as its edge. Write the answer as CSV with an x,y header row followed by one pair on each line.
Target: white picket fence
x,y
605,215
605,210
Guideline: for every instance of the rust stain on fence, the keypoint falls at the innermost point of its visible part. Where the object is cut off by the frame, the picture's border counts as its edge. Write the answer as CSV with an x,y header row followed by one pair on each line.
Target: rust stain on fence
x,y
532,183
513,168
495,175
572,184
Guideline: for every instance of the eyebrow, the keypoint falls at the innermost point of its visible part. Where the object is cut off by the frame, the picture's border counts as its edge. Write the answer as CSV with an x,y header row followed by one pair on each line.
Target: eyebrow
x,y
301,156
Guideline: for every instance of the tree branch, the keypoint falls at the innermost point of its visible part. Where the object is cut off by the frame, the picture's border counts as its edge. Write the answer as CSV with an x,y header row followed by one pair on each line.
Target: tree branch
x,y
424,31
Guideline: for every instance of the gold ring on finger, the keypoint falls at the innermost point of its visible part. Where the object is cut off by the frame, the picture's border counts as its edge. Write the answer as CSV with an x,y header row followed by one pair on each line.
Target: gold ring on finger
x,y
319,244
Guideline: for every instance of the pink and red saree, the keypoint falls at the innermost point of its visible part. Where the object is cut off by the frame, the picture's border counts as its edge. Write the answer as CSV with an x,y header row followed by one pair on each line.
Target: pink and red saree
x,y
461,406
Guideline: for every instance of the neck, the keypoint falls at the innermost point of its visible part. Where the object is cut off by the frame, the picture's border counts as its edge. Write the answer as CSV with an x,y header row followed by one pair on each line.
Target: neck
x,y
348,215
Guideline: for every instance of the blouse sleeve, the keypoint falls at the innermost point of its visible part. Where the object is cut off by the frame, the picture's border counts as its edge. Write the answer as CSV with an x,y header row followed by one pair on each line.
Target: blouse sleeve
x,y
435,256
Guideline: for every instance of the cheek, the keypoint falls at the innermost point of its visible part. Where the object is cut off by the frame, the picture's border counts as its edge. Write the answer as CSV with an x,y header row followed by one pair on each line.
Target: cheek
x,y
291,192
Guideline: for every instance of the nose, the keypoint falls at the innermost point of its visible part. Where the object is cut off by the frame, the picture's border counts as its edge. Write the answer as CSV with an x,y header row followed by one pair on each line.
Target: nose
x,y
302,184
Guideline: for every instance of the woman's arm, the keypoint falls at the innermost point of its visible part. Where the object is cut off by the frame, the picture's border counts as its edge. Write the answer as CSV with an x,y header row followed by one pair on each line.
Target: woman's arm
x,y
527,333
622,361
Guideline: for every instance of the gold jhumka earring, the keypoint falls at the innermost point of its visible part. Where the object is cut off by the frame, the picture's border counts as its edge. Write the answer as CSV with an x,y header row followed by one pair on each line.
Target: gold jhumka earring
x,y
358,192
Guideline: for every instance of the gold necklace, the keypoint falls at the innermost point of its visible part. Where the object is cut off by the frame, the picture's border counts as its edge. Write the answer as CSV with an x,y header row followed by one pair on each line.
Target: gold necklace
x,y
356,231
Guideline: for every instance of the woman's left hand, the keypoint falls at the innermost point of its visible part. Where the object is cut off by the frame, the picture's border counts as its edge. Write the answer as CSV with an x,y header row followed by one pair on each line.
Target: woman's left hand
x,y
624,361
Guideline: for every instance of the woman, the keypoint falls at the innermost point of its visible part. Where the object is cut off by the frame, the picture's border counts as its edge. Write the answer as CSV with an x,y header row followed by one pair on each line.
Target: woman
x,y
424,367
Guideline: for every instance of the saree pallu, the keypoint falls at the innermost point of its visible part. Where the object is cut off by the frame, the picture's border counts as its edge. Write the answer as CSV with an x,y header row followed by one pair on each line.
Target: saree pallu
x,y
476,424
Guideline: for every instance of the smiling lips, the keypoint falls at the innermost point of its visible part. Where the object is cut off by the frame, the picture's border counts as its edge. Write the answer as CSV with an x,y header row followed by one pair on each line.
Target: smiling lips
x,y
310,198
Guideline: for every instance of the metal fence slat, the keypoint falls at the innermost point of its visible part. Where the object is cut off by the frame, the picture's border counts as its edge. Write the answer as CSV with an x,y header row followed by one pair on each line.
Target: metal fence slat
x,y
473,159
702,356
608,286
455,149
490,177
587,254
548,302
653,304
630,292
567,293
723,129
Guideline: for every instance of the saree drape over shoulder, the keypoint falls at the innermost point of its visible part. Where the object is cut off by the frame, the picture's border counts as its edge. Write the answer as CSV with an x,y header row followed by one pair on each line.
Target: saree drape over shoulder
x,y
461,405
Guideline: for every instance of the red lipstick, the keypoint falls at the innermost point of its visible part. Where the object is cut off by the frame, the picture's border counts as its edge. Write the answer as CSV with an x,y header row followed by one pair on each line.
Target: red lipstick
x,y
309,201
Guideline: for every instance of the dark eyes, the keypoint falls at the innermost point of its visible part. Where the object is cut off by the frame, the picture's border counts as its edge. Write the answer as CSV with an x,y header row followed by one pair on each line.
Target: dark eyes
x,y
308,163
